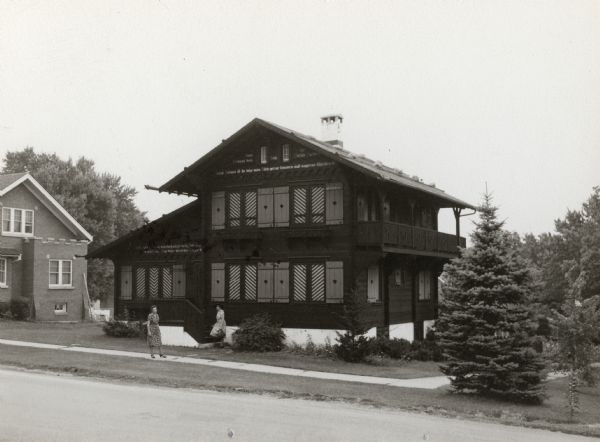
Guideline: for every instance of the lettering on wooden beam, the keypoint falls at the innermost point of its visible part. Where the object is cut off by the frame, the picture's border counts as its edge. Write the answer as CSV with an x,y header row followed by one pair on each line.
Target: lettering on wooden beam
x,y
274,168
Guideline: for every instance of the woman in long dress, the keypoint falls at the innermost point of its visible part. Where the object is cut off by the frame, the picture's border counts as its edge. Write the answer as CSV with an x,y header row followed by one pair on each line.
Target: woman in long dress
x,y
219,329
153,329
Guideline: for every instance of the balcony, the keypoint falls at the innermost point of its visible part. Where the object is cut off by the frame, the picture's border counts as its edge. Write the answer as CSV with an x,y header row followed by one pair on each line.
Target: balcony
x,y
401,236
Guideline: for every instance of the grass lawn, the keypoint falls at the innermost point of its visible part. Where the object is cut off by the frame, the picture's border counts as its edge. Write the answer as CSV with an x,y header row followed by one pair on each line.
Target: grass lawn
x,y
551,414
91,335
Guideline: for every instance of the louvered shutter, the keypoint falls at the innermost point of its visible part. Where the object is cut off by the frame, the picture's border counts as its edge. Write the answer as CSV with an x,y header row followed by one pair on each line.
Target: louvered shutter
x,y
282,282
234,281
373,284
335,282
250,208
265,207
234,209
334,203
218,210
140,282
153,286
265,282
166,282
281,203
300,205
126,282
317,204
299,282
317,282
217,274
250,282
179,281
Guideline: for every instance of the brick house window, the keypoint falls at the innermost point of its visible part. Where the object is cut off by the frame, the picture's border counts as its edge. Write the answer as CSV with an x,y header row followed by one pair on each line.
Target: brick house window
x,y
17,221
3,272
60,309
61,273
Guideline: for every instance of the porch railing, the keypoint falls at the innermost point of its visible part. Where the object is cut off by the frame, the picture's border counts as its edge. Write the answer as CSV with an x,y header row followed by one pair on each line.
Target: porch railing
x,y
406,237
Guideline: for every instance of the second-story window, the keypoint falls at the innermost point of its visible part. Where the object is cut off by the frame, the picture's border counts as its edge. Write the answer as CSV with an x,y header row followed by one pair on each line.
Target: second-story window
x,y
285,153
61,273
241,209
264,154
309,205
17,221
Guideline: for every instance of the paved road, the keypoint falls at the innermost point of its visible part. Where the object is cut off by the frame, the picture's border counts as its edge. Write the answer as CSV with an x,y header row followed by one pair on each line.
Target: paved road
x,y
47,407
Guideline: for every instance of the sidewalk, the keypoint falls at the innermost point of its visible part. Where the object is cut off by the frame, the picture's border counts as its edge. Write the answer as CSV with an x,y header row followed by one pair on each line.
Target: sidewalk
x,y
428,383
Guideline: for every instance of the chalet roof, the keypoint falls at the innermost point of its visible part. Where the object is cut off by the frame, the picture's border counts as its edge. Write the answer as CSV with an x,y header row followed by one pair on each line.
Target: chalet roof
x,y
12,180
104,251
357,162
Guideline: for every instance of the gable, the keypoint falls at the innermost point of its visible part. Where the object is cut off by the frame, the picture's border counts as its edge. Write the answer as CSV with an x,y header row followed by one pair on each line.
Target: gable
x,y
27,189
187,182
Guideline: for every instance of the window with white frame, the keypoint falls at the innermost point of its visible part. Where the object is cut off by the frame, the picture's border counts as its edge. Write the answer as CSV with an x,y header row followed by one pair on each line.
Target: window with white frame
x,y
17,221
424,285
264,152
3,272
61,273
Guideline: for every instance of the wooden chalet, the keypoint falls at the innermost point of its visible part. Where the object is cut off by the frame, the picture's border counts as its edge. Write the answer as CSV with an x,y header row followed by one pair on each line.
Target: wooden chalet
x,y
289,225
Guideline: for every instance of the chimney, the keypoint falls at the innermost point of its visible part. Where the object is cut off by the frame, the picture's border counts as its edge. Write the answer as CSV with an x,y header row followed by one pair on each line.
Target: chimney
x,y
331,129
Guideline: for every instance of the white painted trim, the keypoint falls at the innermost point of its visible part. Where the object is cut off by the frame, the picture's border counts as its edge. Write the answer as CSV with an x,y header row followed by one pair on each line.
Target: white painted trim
x,y
50,199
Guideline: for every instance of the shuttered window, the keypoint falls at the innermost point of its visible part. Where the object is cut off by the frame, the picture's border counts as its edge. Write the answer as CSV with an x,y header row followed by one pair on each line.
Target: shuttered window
x,y
281,282
281,205
309,205
318,282
317,204
250,282
334,203
265,207
234,281
126,282
218,210
335,281
153,282
217,289
241,282
373,284
300,205
424,285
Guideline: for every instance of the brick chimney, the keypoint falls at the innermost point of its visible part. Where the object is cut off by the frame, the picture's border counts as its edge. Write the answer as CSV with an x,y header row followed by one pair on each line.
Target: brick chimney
x,y
331,129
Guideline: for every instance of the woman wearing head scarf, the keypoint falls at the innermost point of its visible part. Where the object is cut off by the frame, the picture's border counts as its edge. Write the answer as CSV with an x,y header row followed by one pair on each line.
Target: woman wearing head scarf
x,y
153,332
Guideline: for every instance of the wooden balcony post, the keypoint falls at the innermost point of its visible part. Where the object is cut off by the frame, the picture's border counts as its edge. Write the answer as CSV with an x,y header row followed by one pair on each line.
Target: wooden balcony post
x,y
412,221
456,212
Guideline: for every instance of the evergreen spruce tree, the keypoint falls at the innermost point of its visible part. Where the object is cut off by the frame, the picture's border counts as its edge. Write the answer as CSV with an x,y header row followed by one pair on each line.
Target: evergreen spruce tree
x,y
485,327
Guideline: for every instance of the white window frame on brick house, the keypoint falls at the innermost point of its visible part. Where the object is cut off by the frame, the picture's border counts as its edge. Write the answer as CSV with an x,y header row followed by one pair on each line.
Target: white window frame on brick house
x,y
26,219
3,273
61,284
60,308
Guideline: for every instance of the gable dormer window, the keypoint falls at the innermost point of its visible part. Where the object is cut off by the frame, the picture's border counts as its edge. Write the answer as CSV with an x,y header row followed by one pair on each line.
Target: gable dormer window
x,y
264,154
17,221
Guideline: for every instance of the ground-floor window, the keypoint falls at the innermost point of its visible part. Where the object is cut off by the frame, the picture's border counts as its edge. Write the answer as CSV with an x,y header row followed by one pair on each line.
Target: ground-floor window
x,y
61,273
424,285
153,281
3,271
278,282
60,309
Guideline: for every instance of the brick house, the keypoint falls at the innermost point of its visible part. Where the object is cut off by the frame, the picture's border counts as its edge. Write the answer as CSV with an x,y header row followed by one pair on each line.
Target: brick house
x,y
42,252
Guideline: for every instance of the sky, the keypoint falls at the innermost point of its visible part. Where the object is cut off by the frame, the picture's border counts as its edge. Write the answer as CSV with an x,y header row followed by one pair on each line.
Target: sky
x,y
461,93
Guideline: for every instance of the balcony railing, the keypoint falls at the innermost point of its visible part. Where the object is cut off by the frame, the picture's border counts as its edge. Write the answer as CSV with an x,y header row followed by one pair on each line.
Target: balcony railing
x,y
406,237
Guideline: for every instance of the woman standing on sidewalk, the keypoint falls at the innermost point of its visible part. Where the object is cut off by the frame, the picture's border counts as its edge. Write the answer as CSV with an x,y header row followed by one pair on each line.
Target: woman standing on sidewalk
x,y
219,329
153,332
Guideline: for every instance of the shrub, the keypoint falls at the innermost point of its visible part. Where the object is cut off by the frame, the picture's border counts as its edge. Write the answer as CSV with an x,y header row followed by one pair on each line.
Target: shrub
x,y
258,333
123,329
312,349
352,348
393,348
5,310
19,309
427,350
